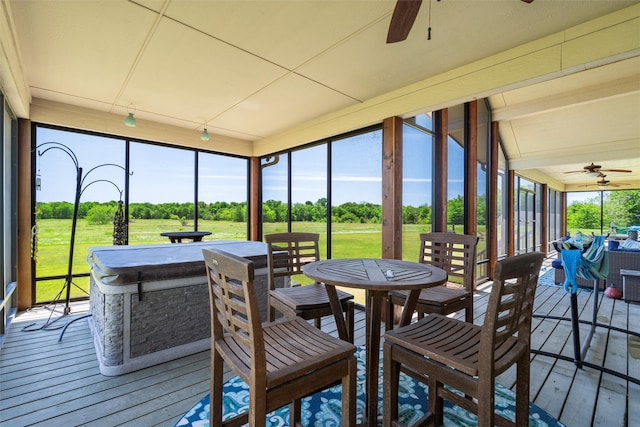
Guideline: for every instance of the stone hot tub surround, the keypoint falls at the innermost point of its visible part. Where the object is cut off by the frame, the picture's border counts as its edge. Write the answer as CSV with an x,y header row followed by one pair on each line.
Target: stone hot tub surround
x,y
150,303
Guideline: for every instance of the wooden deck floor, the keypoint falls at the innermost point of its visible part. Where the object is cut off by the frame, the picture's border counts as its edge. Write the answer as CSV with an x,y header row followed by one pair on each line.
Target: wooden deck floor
x,y
46,382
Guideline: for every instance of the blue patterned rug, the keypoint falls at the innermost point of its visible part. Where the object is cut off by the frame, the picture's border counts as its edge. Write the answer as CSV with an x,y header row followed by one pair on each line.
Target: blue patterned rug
x,y
323,409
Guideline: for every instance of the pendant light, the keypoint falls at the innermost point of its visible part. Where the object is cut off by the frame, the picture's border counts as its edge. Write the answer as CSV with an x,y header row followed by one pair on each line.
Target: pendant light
x,y
130,120
204,135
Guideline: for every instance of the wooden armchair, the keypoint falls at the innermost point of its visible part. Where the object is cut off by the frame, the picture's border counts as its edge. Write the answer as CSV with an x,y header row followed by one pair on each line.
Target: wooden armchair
x,y
281,361
287,253
455,254
467,357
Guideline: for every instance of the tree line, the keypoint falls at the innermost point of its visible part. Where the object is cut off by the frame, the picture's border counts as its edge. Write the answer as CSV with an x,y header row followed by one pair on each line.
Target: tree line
x,y
620,207
272,211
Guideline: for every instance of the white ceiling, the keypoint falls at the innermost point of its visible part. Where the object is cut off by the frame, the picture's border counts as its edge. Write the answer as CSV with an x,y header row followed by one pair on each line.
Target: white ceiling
x,y
254,69
564,124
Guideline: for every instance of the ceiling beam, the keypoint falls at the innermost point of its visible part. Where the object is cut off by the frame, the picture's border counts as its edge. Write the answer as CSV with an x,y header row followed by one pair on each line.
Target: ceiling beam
x,y
557,101
607,151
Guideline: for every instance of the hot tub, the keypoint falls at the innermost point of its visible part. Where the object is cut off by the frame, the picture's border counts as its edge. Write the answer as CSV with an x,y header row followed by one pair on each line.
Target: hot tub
x,y
150,303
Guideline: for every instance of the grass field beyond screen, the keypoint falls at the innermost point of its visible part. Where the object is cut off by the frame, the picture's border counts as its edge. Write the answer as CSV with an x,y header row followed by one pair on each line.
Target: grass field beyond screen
x,y
348,241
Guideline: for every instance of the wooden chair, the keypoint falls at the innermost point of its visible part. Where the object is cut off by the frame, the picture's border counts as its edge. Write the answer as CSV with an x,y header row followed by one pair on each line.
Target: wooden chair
x,y
281,361
466,357
455,254
287,253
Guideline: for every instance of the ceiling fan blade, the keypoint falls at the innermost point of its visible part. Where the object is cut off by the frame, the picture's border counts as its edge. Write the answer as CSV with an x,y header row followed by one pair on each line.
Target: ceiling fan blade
x,y
616,170
597,169
404,15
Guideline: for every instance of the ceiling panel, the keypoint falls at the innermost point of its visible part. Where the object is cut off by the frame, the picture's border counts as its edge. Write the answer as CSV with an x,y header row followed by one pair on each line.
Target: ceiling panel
x,y
288,33
185,73
291,95
70,47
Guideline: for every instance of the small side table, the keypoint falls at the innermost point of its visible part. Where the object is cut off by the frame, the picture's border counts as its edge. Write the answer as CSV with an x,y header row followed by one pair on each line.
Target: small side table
x,y
630,285
177,236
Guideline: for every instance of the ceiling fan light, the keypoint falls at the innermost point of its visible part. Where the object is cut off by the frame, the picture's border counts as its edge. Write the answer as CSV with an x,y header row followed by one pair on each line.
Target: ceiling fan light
x,y
204,135
130,121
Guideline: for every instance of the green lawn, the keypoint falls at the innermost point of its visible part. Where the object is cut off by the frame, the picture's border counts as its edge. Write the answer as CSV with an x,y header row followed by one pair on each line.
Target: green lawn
x,y
54,236
348,241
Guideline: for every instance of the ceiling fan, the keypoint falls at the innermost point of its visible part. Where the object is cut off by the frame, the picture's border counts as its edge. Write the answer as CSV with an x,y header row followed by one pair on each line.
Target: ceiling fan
x,y
594,169
404,15
603,182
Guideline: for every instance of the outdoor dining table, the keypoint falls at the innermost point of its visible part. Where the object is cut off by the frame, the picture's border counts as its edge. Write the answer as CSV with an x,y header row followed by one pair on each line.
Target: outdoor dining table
x,y
377,277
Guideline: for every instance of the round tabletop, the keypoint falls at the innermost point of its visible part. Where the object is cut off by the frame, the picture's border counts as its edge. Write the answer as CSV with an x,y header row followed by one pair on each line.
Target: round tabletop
x,y
375,274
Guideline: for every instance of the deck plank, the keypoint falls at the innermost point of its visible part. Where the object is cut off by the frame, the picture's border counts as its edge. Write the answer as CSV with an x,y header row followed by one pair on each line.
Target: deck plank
x,y
551,378
633,365
585,383
609,407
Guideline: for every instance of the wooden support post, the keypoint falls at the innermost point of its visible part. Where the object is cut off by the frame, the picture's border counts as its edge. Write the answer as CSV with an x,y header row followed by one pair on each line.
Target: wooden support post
x,y
471,168
544,215
392,194
255,199
25,216
511,230
392,188
440,169
492,220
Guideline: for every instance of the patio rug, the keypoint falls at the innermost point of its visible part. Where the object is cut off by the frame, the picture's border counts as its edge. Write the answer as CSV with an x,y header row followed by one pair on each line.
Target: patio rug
x,y
323,409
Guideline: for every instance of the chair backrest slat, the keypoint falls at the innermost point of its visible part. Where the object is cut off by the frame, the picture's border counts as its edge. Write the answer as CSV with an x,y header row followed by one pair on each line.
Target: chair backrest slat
x,y
510,306
454,253
287,253
232,295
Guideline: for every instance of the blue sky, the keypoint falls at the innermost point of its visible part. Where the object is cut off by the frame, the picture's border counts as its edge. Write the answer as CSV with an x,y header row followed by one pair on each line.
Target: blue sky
x,y
57,171
581,196
161,174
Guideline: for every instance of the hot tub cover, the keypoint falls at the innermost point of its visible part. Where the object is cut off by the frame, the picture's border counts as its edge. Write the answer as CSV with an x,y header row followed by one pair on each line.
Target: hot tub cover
x,y
121,265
